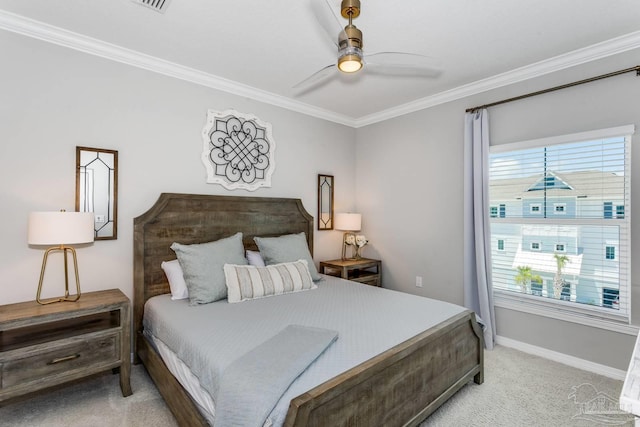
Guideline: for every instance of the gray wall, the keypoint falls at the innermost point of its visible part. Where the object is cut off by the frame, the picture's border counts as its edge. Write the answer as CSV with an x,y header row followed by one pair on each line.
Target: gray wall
x,y
54,99
410,183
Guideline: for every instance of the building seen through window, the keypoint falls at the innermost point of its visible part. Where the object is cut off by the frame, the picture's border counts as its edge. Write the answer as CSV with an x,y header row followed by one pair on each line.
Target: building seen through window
x,y
559,221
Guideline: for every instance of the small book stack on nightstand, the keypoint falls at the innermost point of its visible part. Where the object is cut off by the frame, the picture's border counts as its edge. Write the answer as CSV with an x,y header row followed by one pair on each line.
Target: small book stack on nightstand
x,y
363,270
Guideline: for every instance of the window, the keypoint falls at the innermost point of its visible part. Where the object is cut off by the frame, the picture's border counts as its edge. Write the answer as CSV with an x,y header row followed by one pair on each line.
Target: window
x,y
610,252
610,298
559,208
500,245
536,288
569,199
608,211
503,211
565,294
494,212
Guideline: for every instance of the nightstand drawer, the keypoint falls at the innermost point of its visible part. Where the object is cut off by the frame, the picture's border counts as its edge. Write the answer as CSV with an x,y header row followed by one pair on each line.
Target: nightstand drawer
x,y
75,354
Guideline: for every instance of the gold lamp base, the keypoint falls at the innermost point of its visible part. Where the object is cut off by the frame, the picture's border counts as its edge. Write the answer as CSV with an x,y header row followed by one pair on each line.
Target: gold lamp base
x,y
66,297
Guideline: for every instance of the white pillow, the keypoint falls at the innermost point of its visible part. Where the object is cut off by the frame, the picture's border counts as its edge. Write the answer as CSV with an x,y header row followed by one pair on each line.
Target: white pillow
x,y
255,258
245,282
176,279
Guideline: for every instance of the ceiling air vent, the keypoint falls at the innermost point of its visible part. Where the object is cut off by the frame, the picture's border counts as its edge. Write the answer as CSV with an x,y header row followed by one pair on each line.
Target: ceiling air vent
x,y
157,5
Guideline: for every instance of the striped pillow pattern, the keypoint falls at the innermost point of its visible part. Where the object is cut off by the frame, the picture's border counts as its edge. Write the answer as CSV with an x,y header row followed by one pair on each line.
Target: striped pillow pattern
x,y
245,282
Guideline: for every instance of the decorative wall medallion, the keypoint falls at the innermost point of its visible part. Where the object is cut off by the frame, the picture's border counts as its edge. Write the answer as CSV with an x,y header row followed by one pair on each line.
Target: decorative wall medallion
x,y
238,150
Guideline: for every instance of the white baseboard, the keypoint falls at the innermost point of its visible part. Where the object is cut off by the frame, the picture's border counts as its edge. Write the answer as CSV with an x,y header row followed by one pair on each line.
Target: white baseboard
x,y
572,361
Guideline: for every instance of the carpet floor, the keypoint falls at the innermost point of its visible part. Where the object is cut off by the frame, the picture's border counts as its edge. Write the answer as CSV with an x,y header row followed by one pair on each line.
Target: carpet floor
x,y
519,390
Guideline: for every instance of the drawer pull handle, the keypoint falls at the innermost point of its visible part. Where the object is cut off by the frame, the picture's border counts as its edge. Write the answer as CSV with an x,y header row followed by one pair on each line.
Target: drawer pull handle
x,y
64,359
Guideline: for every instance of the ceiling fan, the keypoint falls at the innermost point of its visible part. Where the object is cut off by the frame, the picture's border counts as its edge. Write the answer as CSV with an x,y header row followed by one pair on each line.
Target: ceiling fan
x,y
351,58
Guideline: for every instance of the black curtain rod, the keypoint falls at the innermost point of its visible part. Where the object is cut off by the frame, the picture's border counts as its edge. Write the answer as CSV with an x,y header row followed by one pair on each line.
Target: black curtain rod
x,y
540,92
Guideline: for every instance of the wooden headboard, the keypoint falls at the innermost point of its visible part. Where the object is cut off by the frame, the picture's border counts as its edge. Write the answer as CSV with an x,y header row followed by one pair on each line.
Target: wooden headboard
x,y
194,218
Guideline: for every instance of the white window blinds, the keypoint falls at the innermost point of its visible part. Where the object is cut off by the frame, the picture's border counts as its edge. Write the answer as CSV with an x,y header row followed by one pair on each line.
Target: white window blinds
x,y
564,221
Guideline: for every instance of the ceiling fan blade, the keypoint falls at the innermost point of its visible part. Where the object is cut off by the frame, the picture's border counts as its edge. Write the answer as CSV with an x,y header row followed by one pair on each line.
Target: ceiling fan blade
x,y
402,63
329,21
316,78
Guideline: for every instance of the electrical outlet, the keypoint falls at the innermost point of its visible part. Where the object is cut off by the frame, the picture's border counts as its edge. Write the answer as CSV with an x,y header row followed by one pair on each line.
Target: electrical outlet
x,y
419,281
100,218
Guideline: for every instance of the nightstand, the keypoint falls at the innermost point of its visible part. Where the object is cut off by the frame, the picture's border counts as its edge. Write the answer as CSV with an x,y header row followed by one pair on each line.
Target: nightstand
x,y
46,345
363,270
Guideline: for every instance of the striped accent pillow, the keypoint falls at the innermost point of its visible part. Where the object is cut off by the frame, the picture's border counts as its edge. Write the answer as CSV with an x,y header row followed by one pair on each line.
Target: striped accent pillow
x,y
245,282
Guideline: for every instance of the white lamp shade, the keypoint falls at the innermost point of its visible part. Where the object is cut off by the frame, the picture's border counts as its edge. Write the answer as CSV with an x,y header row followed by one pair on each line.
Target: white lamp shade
x,y
348,221
60,228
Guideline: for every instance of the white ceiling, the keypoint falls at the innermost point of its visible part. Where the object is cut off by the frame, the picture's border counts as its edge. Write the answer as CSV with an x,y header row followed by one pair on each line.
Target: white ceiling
x,y
261,48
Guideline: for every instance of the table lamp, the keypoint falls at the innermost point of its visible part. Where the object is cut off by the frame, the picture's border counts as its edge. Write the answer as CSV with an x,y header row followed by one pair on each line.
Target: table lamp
x,y
60,229
348,222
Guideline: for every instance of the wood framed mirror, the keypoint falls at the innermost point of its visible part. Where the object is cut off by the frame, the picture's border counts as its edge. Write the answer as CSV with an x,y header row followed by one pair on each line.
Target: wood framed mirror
x,y
325,202
97,189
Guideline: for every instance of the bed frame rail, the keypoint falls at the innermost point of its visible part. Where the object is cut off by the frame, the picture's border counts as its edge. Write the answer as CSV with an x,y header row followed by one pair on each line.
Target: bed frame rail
x,y
411,380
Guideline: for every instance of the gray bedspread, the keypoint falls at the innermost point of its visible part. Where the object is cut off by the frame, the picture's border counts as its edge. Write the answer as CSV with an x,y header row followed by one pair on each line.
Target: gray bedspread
x,y
252,385
210,337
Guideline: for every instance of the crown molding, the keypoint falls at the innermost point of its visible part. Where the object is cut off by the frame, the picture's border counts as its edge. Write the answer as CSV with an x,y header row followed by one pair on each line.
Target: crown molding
x,y
59,36
577,57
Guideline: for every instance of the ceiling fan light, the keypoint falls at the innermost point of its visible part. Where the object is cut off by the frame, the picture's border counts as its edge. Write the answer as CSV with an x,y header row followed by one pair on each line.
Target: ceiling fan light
x,y
350,59
350,63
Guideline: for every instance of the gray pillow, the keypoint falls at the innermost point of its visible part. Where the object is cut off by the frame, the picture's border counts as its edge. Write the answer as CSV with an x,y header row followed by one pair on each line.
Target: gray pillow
x,y
287,248
203,266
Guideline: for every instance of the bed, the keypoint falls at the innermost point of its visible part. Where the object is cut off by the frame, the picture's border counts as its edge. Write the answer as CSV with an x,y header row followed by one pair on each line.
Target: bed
x,y
401,385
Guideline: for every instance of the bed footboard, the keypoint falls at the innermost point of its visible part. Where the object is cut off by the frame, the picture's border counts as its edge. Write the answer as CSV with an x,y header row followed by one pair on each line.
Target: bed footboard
x,y
400,387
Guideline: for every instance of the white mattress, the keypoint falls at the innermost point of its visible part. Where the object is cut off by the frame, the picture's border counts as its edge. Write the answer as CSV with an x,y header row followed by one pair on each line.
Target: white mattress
x,y
209,337
188,380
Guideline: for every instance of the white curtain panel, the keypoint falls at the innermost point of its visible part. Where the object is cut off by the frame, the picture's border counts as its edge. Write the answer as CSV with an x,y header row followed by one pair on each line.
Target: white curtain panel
x,y
478,295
